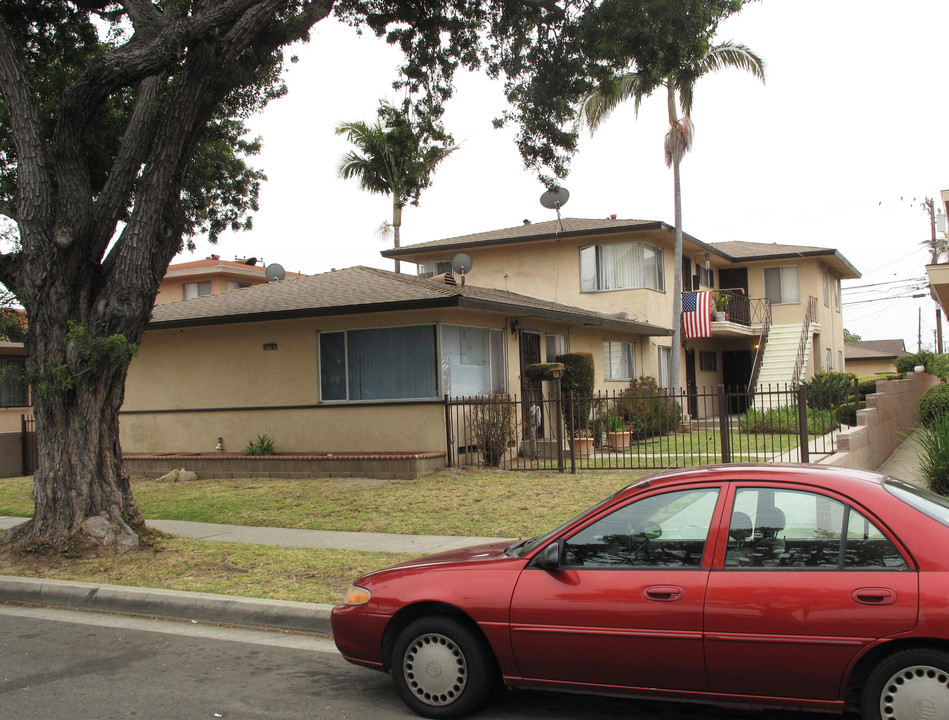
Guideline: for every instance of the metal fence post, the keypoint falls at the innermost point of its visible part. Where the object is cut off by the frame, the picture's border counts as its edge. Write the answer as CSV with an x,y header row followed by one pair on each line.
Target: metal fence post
x,y
723,425
559,405
802,424
449,440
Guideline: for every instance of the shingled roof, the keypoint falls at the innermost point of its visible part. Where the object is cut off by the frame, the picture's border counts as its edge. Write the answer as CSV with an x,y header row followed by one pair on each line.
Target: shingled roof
x,y
362,290
732,251
874,349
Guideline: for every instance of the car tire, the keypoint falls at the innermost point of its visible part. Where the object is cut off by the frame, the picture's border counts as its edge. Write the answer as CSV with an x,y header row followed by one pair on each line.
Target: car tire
x,y
908,684
441,668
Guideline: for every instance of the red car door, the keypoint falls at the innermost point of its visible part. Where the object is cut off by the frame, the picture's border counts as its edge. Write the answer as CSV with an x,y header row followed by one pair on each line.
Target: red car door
x,y
807,581
624,607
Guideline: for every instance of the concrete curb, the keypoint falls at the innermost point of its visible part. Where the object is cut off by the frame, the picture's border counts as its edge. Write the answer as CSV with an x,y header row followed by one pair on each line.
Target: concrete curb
x,y
174,604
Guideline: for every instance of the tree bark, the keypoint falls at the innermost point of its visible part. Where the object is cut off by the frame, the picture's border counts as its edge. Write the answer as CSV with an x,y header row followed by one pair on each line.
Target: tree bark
x,y
82,496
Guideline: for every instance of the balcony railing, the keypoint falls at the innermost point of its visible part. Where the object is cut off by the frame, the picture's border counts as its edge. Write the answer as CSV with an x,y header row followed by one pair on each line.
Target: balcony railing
x,y
739,308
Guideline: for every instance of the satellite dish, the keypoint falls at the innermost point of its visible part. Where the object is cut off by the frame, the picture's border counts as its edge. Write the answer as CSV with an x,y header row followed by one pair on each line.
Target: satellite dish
x,y
461,264
554,199
275,272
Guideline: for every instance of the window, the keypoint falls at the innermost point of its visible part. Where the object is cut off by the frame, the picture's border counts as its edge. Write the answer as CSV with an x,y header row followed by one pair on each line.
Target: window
x,y
840,360
196,289
472,361
826,289
555,345
665,368
837,294
708,361
433,268
830,363
667,530
621,266
801,530
13,391
706,277
234,285
781,285
378,364
618,360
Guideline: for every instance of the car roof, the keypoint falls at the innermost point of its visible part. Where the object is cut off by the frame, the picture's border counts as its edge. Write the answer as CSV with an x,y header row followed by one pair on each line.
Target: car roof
x,y
828,476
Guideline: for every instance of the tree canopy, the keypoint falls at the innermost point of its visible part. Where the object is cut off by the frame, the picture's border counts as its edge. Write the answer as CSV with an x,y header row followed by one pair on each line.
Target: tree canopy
x,y
122,136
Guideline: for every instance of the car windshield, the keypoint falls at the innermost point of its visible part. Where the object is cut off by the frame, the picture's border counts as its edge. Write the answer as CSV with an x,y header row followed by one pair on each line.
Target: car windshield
x,y
928,503
522,548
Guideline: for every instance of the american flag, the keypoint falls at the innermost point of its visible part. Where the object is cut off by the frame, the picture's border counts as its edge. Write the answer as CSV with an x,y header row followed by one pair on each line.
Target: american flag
x,y
697,314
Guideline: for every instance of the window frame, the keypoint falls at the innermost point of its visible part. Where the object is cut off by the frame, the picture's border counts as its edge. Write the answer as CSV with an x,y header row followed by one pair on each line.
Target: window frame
x,y
782,271
708,361
596,255
625,347
13,386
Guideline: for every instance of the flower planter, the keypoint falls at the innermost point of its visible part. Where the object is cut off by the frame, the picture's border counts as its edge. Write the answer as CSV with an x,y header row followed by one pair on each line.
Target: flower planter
x,y
582,447
619,441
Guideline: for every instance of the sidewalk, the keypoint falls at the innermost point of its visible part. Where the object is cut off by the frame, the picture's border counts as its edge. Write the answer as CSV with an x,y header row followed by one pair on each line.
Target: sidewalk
x,y
274,614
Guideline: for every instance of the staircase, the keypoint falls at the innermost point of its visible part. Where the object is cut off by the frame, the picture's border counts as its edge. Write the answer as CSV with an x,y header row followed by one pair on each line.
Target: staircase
x,y
780,355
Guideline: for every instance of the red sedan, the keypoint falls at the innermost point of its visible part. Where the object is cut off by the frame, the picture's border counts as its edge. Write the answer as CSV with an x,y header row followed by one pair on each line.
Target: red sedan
x,y
789,586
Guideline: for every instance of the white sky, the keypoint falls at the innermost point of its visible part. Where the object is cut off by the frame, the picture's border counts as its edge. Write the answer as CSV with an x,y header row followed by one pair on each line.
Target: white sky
x,y
838,149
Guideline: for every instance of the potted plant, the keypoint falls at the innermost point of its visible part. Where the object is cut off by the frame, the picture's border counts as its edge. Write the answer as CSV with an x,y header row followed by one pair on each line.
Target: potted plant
x,y
721,300
577,385
617,432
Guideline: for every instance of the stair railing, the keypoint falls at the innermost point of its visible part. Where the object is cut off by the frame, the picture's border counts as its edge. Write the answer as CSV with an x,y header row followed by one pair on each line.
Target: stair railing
x,y
762,341
802,343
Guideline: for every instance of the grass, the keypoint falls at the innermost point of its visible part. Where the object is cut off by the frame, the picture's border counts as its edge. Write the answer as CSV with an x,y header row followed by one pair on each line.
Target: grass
x,y
482,503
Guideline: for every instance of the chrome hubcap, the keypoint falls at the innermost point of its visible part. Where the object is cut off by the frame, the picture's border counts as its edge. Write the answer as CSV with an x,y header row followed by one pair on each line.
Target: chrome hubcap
x,y
435,669
920,692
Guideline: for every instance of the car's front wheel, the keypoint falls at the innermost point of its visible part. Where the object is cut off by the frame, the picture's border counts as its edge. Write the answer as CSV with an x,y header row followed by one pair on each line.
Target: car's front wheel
x,y
441,668
908,684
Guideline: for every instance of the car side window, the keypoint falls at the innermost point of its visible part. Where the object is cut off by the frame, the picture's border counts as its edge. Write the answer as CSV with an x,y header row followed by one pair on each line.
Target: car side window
x,y
773,528
667,530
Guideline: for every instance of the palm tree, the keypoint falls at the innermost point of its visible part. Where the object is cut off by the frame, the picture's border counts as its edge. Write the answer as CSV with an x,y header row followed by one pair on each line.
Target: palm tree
x,y
679,86
395,157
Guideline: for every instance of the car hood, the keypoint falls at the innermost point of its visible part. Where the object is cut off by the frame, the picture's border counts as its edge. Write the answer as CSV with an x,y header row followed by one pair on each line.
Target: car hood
x,y
462,555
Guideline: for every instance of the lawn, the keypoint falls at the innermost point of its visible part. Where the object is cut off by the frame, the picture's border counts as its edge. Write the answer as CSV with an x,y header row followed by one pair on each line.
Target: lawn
x,y
484,503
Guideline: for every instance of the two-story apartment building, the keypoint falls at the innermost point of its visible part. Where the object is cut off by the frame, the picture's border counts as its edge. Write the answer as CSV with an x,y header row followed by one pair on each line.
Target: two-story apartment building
x,y
360,360
783,301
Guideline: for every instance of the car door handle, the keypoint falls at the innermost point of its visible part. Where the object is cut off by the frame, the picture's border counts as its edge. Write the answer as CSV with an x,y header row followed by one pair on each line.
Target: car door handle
x,y
874,596
663,593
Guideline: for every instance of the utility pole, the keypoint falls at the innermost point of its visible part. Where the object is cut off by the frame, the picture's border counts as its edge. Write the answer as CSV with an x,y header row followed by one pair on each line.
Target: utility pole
x,y
930,207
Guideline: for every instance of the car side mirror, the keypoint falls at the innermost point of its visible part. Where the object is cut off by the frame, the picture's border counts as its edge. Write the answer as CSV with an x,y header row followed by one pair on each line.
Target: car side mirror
x,y
549,557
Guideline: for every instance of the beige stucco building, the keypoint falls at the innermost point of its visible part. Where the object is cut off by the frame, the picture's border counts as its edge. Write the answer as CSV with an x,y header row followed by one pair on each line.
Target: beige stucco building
x,y
355,360
869,357
784,322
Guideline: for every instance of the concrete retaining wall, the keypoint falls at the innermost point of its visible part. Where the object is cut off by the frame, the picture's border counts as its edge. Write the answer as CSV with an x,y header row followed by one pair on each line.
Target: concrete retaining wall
x,y
891,415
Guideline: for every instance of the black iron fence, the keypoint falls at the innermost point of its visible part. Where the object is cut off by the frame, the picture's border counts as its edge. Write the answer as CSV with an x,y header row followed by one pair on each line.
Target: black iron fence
x,y
641,429
28,448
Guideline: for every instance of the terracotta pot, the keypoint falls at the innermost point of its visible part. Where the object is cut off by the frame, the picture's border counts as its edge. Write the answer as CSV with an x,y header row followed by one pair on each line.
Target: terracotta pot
x,y
582,447
619,441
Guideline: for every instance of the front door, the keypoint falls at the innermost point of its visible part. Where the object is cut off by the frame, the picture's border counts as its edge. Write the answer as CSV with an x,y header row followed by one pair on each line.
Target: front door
x,y
531,391
733,279
625,607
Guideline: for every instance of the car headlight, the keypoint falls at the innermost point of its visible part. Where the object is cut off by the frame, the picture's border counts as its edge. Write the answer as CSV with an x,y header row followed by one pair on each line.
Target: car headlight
x,y
356,595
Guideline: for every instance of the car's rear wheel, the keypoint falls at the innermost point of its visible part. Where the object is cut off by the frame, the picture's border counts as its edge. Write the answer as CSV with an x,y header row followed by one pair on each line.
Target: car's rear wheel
x,y
441,668
908,684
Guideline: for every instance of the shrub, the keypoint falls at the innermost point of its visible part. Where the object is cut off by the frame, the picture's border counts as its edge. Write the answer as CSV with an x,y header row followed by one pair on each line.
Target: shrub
x,y
578,382
935,364
868,384
934,403
847,413
491,422
781,420
648,408
827,390
263,445
933,454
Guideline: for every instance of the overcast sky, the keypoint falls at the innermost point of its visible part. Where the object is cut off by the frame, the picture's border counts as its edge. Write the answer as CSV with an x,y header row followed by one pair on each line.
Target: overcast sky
x,y
838,149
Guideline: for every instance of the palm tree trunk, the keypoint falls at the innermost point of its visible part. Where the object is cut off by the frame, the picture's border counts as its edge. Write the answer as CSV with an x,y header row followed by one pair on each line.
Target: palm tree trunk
x,y
675,355
396,225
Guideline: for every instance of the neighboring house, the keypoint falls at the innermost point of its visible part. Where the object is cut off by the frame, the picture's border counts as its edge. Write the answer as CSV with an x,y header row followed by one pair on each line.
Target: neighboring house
x,y
939,273
354,360
14,394
625,266
210,277
868,357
